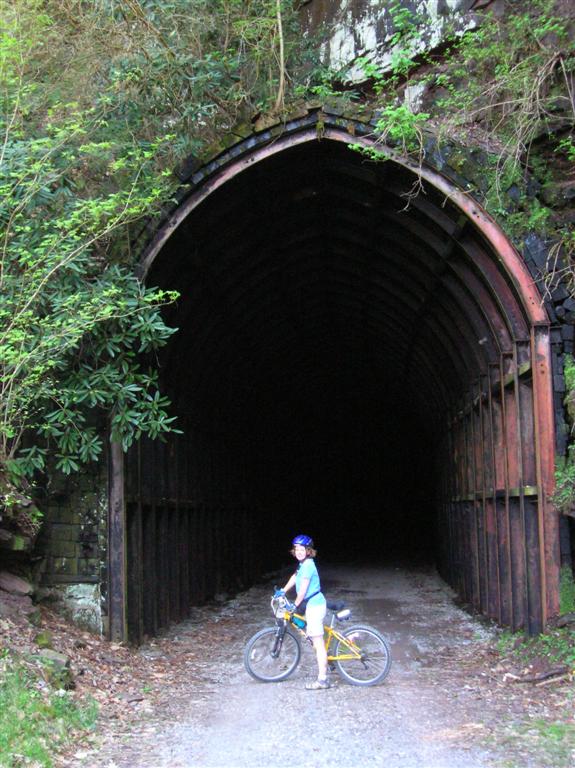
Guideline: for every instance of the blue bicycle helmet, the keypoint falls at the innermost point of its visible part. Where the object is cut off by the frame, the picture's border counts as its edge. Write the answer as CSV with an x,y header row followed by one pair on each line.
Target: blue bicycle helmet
x,y
303,540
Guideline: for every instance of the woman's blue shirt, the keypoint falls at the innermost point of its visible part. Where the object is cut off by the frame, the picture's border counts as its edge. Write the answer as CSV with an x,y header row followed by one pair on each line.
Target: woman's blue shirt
x,y
307,570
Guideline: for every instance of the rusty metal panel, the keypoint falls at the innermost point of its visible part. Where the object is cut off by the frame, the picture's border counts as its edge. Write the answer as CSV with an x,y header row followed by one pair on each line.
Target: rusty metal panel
x,y
150,606
163,567
173,564
184,559
135,613
514,460
535,617
518,564
117,586
493,599
482,555
545,442
527,432
499,490
504,563
474,596
479,496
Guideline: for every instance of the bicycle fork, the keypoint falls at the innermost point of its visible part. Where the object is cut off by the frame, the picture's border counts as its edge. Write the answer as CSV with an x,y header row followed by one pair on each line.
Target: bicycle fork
x,y
279,638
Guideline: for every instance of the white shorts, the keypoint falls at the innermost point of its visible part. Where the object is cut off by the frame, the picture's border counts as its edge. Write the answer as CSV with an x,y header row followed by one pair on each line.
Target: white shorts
x,y
314,615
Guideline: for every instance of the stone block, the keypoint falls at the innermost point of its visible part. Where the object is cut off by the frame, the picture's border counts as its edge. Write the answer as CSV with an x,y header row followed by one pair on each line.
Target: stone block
x,y
65,565
82,604
60,532
64,549
65,515
14,585
88,566
536,249
13,542
88,550
56,668
44,639
559,293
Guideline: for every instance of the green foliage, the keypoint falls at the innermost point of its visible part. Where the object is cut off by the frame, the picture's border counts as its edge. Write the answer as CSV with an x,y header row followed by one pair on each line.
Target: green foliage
x,y
569,373
98,101
506,82
567,147
35,720
73,324
567,591
557,646
564,495
400,125
553,742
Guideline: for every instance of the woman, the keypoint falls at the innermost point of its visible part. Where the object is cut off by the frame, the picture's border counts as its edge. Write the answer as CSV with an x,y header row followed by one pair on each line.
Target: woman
x,y
307,586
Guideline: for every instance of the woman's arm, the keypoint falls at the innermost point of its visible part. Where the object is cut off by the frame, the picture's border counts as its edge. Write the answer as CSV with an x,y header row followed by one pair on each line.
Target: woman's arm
x,y
290,584
302,591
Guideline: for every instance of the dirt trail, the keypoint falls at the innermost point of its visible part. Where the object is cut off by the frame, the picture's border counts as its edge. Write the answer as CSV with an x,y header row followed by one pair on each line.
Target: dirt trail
x,y
422,716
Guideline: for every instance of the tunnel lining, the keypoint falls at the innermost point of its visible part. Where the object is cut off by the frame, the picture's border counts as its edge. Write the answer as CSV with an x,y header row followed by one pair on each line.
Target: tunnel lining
x,y
510,308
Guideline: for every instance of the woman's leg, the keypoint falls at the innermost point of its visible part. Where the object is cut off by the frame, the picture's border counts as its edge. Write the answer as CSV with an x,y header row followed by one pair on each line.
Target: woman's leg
x,y
321,655
315,615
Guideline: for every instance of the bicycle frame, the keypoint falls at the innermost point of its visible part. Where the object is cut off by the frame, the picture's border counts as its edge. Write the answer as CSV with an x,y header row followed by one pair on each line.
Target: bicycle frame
x,y
330,635
361,654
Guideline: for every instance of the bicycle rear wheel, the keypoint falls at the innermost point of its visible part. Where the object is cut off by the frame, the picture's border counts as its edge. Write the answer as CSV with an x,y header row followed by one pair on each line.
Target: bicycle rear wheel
x,y
369,655
270,660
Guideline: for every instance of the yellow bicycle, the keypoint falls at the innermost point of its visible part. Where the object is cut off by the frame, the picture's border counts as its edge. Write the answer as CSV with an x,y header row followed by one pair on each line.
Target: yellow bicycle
x,y
359,653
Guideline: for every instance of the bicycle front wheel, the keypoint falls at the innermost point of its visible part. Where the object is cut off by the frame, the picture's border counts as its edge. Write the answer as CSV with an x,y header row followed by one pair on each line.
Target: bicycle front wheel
x,y
365,655
270,659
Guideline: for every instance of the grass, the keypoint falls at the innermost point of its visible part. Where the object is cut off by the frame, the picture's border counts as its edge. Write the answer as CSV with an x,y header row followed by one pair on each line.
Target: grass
x,y
556,645
554,742
35,720
550,738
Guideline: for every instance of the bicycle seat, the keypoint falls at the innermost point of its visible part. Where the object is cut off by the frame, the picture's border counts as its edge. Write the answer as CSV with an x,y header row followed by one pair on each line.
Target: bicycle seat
x,y
336,606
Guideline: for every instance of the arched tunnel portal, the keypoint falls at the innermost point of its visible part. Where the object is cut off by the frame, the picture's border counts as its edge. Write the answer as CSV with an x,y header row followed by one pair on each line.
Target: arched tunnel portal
x,y
362,356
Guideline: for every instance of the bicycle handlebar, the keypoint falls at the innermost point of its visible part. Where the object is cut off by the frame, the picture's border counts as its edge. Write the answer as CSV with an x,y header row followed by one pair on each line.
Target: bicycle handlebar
x,y
280,605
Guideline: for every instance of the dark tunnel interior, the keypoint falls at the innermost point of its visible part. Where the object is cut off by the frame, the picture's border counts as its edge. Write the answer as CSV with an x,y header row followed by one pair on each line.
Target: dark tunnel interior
x,y
354,360
313,353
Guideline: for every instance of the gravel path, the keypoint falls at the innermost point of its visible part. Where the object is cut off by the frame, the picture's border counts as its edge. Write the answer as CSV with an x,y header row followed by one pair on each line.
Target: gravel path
x,y
422,716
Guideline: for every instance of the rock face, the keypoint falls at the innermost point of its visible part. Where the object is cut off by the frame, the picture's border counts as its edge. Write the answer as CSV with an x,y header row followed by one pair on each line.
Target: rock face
x,y
57,668
80,603
12,605
365,28
14,585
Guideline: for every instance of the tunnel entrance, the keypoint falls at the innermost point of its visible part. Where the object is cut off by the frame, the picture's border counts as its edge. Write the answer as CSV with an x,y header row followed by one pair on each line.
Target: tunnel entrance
x,y
361,356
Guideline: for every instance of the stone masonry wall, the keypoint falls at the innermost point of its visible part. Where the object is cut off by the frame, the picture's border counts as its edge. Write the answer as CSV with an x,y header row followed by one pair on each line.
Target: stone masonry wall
x,y
71,548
